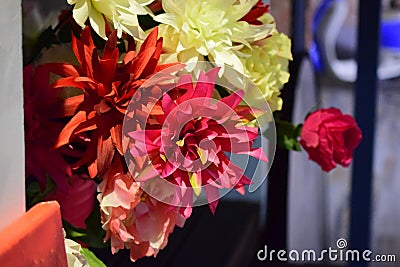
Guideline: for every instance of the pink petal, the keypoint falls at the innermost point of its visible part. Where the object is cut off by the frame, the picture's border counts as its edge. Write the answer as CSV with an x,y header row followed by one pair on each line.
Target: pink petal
x,y
212,197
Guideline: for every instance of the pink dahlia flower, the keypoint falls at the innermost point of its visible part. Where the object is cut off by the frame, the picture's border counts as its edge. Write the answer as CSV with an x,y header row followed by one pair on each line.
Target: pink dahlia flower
x,y
131,218
189,145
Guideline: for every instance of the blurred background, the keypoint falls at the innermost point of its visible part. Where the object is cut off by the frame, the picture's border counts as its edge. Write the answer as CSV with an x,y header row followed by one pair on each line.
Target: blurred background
x,y
300,207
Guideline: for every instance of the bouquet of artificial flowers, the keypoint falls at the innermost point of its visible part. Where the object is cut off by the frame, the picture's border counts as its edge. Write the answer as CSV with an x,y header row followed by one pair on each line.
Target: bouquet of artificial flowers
x,y
135,120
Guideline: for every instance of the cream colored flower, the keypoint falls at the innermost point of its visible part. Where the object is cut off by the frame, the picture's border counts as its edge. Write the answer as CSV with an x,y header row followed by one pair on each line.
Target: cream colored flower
x,y
266,64
121,14
74,256
193,30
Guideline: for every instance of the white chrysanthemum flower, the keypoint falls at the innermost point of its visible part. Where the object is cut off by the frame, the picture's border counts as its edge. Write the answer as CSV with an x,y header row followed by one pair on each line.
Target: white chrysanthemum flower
x,y
266,64
122,15
193,30
74,256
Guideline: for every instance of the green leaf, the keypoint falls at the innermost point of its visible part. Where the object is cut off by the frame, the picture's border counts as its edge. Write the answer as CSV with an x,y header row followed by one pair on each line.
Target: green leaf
x,y
34,194
76,234
92,260
93,235
73,232
288,135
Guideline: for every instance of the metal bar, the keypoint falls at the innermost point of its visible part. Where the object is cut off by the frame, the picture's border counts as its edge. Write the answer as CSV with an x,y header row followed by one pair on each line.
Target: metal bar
x,y
365,109
298,26
276,221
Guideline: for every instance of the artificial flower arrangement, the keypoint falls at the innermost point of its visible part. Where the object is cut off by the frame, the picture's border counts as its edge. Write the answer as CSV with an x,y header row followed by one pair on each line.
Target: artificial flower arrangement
x,y
133,123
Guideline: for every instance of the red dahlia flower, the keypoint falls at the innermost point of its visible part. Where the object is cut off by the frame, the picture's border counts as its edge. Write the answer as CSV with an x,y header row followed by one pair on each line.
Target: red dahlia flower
x,y
107,88
41,105
189,145
42,109
256,12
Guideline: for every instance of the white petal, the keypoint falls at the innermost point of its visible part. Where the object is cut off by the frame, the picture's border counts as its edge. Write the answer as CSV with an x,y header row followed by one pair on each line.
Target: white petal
x,y
81,12
145,2
169,19
173,6
240,10
136,8
98,24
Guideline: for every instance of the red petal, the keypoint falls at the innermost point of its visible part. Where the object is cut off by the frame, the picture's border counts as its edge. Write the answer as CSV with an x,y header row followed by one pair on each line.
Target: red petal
x,y
129,56
116,135
71,104
110,46
83,50
105,154
234,99
61,69
167,104
83,83
256,11
77,203
66,133
141,62
257,153
212,197
92,168
206,83
185,82
150,41
89,124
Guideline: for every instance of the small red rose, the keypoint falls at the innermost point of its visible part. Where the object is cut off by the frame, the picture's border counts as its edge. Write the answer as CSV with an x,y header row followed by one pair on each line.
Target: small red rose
x,y
330,137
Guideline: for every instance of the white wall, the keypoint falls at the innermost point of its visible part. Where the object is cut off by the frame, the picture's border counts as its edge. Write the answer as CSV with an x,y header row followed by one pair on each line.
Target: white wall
x,y
12,200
